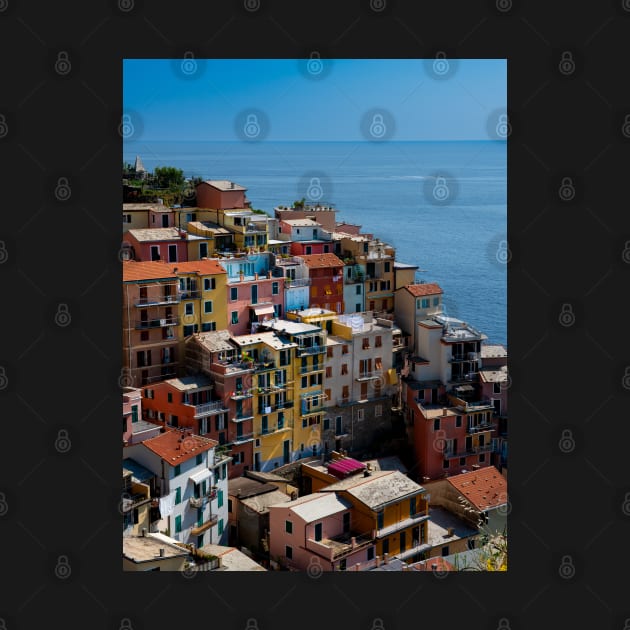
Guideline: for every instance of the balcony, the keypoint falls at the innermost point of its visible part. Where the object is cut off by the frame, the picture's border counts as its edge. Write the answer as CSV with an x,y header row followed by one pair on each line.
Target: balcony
x,y
157,300
369,376
473,450
212,520
145,324
132,501
232,367
241,394
193,294
291,260
304,351
205,409
485,426
338,546
242,417
264,366
197,502
242,438
286,426
319,367
293,284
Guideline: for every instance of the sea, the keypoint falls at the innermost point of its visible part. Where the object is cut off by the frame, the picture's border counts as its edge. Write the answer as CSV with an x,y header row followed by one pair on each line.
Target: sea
x,y
442,205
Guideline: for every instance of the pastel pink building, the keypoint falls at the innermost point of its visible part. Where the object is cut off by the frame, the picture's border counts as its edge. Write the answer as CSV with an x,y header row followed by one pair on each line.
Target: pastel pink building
x,y
167,244
315,533
253,299
135,429
221,195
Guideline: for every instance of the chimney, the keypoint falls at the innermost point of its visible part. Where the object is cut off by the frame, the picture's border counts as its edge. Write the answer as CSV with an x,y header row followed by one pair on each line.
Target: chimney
x,y
378,561
434,567
353,542
385,558
161,552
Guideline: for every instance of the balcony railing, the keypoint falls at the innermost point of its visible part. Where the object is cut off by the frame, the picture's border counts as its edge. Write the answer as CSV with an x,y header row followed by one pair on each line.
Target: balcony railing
x,y
197,502
303,351
240,394
211,521
319,367
244,437
144,324
485,426
242,417
193,294
299,282
205,409
263,366
369,376
287,425
157,300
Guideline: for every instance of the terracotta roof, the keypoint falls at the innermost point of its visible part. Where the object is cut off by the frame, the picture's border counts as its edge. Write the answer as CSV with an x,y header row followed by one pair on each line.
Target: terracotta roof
x,y
149,270
223,184
320,260
202,267
484,488
173,451
420,290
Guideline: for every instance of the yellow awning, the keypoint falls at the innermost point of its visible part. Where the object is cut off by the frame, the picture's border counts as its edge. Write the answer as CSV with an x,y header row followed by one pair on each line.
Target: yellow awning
x,y
392,377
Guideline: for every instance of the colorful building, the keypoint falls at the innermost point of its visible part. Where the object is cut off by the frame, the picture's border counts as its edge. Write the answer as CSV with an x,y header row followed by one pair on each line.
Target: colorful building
x,y
164,243
415,303
193,485
324,215
326,275
221,195
296,281
150,322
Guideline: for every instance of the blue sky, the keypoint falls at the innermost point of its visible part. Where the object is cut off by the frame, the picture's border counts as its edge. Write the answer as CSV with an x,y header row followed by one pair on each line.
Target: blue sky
x,y
173,106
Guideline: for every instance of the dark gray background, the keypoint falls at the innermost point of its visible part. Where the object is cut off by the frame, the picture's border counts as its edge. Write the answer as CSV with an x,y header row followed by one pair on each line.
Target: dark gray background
x,y
60,498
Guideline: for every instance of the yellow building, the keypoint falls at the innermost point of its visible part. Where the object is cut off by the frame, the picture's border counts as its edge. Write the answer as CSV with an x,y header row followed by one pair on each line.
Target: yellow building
x,y
308,374
392,507
202,292
135,505
273,389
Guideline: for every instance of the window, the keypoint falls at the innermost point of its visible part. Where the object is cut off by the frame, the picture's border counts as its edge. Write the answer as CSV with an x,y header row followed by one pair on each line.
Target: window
x,y
445,550
386,267
358,289
198,459
318,531
380,519
436,424
436,301
203,250
172,253
345,393
274,288
386,546
482,458
309,249
177,470
342,564
220,530
329,352
178,496
148,393
327,394
235,317
378,342
304,382
189,308
471,543
169,397
144,335
360,414
344,368
366,343
496,388
220,498
188,330
425,302
445,463
378,411
458,421
329,372
412,506
229,506
178,524
462,461
207,306
288,527
209,284
155,252
370,553
288,552
233,294
208,326
134,413
326,424
344,349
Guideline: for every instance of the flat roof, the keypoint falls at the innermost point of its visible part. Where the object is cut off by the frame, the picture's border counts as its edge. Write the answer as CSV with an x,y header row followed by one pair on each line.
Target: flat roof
x,y
301,222
147,548
186,383
400,265
232,559
378,488
244,487
318,505
270,338
223,184
493,351
291,327
144,235
439,523
262,502
494,375
215,341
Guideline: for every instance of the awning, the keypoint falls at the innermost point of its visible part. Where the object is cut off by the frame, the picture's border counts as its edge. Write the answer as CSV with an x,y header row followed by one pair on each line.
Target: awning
x,y
200,476
263,310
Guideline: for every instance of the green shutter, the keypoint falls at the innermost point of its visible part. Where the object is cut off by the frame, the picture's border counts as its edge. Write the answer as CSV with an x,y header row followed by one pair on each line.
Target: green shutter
x,y
220,503
220,527
178,524
178,496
